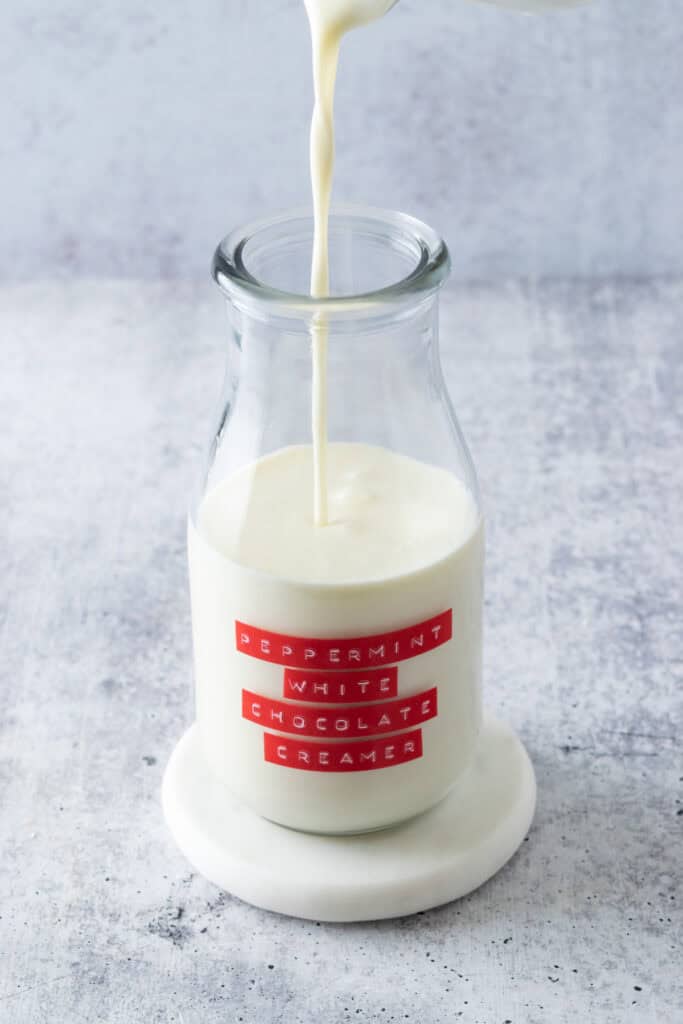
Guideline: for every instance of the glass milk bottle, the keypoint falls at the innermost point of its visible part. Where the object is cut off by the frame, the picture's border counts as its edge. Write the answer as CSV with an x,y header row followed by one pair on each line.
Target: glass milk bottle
x,y
337,666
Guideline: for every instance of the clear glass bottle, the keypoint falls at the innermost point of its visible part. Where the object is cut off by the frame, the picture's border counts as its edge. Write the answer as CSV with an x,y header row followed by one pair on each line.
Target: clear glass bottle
x,y
337,667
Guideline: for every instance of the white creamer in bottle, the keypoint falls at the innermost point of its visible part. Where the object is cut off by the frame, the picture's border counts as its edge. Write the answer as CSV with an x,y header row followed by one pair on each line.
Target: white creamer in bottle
x,y
376,724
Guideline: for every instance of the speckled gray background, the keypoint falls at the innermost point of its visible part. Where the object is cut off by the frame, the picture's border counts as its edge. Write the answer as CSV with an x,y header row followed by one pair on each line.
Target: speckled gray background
x,y
131,134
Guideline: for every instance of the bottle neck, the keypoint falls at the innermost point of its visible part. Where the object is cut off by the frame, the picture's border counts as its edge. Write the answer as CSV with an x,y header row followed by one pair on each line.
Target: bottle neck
x,y
378,371
403,337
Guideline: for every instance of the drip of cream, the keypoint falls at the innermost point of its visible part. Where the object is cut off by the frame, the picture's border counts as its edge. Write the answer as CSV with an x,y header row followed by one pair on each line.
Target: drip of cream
x,y
330,20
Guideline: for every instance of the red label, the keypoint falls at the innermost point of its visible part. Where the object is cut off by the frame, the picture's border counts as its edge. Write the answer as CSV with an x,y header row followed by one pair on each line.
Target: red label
x,y
343,653
343,757
357,721
341,687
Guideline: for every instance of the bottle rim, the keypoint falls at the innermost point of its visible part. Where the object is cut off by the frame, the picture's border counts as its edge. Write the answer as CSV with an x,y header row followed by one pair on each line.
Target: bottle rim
x,y
428,254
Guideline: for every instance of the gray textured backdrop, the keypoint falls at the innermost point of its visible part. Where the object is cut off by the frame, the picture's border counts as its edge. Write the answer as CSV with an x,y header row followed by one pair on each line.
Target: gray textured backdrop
x,y
133,135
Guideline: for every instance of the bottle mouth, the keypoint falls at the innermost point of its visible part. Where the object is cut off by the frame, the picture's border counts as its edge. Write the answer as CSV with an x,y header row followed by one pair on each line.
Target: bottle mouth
x,y
378,258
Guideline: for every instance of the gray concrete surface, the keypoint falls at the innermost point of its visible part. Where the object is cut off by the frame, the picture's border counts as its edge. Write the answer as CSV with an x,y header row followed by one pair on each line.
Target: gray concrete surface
x,y
570,396
132,136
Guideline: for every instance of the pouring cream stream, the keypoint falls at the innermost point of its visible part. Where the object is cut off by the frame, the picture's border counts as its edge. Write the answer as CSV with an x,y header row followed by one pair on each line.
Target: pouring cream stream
x,y
330,20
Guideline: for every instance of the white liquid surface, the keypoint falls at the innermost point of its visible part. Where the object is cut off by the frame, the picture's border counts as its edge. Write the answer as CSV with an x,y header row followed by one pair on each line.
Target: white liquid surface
x,y
405,543
330,20
389,515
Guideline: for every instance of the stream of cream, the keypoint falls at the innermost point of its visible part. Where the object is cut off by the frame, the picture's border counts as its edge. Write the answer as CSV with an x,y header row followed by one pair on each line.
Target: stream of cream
x,y
330,20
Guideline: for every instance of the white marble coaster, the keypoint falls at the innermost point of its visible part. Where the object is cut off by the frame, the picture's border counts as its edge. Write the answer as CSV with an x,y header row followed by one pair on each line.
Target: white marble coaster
x,y
428,861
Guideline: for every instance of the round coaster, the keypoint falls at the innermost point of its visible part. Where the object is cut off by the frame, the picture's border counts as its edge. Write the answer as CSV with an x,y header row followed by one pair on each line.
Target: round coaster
x,y
425,862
